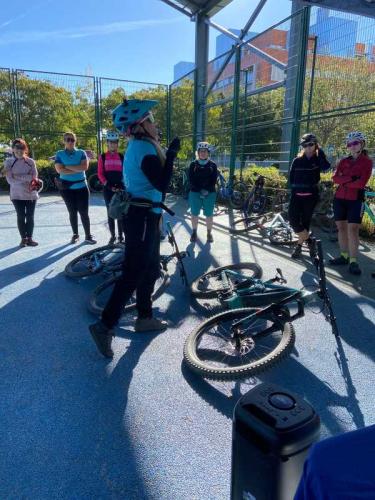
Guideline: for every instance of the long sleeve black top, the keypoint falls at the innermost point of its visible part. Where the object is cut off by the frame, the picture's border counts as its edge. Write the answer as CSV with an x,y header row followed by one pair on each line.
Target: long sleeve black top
x,y
304,174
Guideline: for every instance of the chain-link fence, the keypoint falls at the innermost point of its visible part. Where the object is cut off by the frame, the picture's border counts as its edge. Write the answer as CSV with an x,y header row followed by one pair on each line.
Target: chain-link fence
x,y
181,112
313,71
112,91
41,106
339,93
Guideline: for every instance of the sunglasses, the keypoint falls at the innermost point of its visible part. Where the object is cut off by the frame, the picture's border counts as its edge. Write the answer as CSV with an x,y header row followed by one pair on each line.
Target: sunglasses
x,y
20,148
69,139
308,144
353,143
150,117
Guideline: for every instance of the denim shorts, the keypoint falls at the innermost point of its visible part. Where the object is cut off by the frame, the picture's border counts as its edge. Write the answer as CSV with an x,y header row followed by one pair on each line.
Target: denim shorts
x,y
197,202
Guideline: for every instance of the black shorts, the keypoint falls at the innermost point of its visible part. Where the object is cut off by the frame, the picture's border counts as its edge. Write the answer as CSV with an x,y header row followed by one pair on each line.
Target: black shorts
x,y
348,210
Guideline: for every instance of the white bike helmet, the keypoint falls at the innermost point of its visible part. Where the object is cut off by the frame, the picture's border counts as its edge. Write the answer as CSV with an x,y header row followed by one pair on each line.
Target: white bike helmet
x,y
112,136
355,136
204,145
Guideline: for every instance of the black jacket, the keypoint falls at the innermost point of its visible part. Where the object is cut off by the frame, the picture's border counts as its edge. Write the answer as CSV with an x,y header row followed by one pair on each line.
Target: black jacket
x,y
304,175
202,176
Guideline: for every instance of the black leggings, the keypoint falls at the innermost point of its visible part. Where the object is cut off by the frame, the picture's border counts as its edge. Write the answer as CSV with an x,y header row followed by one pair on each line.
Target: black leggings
x,y
108,193
300,211
25,216
141,266
77,201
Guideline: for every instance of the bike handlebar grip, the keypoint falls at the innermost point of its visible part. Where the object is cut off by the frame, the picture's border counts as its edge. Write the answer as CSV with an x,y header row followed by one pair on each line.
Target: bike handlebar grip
x,y
273,429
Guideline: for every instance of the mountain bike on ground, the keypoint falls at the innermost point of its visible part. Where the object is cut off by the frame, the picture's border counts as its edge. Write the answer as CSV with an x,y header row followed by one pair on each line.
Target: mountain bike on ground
x,y
271,224
256,331
101,294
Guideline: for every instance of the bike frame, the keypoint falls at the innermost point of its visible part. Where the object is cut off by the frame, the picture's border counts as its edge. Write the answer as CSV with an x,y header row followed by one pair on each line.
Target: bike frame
x,y
367,208
301,297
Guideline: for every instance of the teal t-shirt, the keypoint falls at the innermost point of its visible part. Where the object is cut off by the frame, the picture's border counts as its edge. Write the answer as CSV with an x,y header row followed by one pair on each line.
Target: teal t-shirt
x,y
73,157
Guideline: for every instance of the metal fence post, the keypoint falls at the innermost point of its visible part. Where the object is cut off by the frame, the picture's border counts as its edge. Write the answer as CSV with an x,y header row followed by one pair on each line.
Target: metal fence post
x,y
169,113
236,93
300,82
312,82
17,127
97,117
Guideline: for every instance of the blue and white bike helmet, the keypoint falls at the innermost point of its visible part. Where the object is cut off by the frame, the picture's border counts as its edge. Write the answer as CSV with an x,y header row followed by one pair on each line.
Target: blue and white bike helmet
x,y
130,112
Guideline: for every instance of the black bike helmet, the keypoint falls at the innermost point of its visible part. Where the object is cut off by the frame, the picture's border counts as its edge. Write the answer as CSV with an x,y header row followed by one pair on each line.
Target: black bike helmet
x,y
306,138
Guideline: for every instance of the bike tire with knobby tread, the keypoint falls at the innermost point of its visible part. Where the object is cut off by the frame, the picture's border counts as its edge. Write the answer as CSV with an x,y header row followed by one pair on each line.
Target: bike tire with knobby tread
x,y
214,293
74,274
198,366
96,309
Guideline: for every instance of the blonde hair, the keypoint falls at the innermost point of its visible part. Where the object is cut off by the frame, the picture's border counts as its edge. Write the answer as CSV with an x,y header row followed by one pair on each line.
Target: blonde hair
x,y
70,134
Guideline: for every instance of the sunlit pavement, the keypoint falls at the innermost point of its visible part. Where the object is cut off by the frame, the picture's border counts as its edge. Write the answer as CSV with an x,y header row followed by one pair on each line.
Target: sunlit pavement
x,y
142,426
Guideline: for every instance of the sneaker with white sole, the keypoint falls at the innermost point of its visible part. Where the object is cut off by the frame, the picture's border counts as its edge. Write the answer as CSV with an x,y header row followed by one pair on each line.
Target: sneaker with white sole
x,y
150,325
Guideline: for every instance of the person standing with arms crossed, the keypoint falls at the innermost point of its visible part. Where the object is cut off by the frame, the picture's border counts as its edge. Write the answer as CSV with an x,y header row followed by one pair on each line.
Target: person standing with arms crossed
x,y
352,174
71,164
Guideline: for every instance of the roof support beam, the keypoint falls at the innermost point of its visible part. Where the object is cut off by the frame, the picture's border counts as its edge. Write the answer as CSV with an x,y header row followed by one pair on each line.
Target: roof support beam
x,y
253,48
201,63
177,7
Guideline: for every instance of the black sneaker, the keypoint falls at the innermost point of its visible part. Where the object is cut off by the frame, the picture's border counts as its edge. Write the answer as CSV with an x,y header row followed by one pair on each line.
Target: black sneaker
x,y
193,236
74,239
296,254
112,240
103,338
210,238
90,240
354,268
339,261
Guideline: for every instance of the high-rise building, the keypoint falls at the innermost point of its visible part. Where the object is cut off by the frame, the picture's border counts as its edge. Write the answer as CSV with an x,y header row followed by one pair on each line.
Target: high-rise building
x,y
224,42
181,69
339,46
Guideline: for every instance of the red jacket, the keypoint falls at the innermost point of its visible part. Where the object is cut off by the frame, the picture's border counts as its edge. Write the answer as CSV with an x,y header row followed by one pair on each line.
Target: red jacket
x,y
347,169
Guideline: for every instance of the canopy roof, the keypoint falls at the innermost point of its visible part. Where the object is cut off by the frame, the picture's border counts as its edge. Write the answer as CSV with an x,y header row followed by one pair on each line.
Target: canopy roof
x,y
192,7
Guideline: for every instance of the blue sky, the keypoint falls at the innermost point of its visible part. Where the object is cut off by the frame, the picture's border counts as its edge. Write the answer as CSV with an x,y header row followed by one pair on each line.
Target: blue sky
x,y
128,39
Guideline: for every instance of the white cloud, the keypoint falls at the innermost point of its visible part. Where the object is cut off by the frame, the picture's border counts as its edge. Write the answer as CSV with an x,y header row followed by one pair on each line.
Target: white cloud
x,y
24,14
87,31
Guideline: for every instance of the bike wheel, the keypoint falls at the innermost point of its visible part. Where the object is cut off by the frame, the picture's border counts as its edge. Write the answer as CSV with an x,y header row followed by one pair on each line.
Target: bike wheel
x,y
238,196
94,183
208,285
101,294
94,261
212,351
281,236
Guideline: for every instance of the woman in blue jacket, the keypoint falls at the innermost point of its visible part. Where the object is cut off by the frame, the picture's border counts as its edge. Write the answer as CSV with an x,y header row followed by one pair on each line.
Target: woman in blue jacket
x,y
147,173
